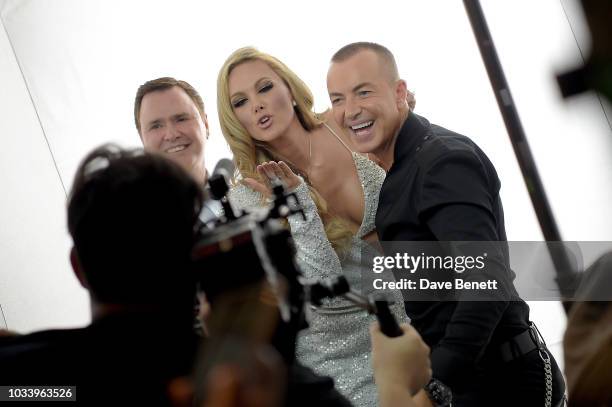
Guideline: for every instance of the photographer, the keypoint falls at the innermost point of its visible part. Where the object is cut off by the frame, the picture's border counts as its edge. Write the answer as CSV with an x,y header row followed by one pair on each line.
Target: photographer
x,y
131,217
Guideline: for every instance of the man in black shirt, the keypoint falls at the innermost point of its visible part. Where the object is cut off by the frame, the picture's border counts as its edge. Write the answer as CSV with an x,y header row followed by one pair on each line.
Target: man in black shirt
x,y
441,187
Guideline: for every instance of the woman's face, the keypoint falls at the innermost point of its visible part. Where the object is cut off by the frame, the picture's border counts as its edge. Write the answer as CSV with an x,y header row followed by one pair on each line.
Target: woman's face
x,y
261,101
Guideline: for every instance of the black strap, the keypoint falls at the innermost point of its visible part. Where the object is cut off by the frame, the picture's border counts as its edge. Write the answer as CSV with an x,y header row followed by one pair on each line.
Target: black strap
x,y
521,344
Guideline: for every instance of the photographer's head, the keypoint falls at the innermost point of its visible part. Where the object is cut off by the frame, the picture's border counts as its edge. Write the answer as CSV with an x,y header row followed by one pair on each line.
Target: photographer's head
x,y
170,118
131,216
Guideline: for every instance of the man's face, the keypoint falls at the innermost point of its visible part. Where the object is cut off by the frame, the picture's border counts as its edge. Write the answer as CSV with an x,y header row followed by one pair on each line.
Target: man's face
x,y
366,101
170,124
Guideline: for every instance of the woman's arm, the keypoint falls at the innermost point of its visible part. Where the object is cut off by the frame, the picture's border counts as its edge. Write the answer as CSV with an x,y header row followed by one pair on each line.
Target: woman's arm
x,y
315,255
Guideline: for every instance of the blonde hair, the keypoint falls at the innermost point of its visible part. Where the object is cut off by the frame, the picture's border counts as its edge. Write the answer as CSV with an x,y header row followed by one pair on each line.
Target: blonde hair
x,y
248,153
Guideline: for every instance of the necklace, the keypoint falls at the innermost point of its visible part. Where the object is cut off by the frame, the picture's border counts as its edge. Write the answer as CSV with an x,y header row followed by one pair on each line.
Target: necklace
x,y
294,168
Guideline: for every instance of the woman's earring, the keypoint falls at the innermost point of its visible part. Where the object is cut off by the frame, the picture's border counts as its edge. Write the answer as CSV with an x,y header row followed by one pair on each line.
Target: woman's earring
x,y
294,103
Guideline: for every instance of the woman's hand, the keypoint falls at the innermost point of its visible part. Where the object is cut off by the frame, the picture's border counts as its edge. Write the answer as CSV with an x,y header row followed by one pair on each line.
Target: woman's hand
x,y
271,171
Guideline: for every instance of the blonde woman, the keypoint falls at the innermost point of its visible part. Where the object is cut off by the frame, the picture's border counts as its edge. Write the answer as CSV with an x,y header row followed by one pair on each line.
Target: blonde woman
x,y
266,116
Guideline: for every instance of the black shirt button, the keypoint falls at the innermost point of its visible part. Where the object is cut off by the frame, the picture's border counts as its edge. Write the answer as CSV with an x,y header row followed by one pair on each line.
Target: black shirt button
x,y
418,149
426,137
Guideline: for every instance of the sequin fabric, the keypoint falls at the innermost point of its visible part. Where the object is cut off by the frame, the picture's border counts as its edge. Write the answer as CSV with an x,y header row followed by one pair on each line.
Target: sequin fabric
x,y
337,342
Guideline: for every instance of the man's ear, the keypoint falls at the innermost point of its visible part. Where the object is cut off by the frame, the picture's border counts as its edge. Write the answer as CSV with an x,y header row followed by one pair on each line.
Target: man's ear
x,y
77,268
401,94
205,120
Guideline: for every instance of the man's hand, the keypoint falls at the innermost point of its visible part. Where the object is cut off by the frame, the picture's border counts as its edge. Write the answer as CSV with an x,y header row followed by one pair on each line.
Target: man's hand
x,y
401,362
422,399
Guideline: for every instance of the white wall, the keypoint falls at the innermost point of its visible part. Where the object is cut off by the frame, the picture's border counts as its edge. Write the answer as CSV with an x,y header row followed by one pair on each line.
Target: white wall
x,y
82,62
36,287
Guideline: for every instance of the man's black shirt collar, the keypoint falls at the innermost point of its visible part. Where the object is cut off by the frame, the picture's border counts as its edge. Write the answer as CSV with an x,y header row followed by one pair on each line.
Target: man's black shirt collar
x,y
410,137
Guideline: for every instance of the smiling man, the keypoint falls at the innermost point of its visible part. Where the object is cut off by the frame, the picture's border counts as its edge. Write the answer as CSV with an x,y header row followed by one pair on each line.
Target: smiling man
x,y
171,121
440,186
369,100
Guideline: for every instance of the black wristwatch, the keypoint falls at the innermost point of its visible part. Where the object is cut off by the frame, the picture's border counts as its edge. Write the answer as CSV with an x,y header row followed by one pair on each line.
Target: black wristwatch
x,y
439,393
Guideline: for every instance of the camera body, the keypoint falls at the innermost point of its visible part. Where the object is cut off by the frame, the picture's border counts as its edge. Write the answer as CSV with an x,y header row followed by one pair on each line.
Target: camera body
x,y
245,264
239,254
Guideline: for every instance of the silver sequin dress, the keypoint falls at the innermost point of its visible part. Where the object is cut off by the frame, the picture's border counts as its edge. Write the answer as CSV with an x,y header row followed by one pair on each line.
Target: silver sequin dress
x,y
337,343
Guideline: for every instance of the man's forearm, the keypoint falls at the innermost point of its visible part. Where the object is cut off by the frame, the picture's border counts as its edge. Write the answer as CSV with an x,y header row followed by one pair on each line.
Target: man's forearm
x,y
472,323
395,395
468,332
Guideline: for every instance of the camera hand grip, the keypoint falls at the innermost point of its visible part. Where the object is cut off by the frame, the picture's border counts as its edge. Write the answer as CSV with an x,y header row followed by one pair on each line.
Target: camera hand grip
x,y
388,324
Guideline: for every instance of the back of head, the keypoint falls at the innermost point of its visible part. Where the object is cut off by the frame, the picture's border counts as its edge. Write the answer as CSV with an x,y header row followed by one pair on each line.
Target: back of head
x,y
131,216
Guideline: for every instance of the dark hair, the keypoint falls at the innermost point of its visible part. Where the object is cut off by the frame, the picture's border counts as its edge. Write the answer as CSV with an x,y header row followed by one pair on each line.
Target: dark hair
x,y
132,216
383,53
161,84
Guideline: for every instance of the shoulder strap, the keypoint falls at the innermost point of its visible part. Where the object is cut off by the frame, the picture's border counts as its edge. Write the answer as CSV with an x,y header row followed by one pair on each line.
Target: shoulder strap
x,y
338,137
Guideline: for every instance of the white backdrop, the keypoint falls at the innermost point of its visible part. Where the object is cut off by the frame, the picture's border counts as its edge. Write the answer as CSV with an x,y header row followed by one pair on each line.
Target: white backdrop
x,y
69,70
